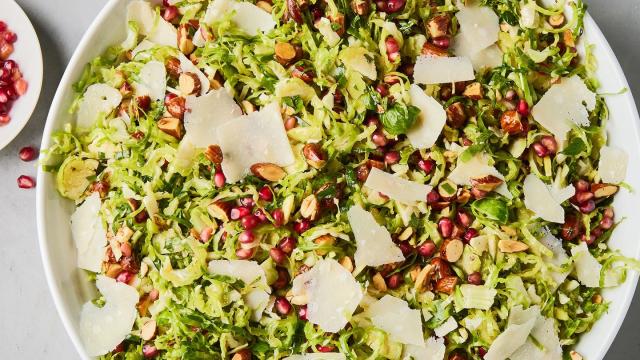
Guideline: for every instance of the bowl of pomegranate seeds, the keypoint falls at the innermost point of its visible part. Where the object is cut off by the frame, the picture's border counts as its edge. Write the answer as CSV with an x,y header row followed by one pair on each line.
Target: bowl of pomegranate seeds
x,y
20,70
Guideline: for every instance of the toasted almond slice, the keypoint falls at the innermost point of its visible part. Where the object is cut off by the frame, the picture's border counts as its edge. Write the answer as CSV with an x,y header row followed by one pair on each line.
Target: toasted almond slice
x,y
379,283
171,126
451,250
347,263
148,330
424,277
603,190
219,210
512,246
268,171
189,84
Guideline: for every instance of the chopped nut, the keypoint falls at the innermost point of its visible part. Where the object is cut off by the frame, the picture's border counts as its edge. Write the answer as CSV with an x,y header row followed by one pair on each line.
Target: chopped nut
x,y
447,190
185,44
324,240
379,283
414,272
361,7
173,67
285,53
406,234
473,91
486,183
293,11
214,154
310,208
264,5
596,299
569,39
243,354
314,155
511,122
176,106
451,250
423,277
441,267
347,263
268,171
148,330
556,20
463,196
447,284
456,115
123,234
432,50
189,84
248,106
300,299
112,270
603,190
438,26
171,126
337,19
219,210
512,246
574,355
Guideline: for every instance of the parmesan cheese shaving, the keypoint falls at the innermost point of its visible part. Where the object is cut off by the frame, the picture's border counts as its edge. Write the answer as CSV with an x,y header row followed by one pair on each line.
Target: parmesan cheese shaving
x,y
247,17
89,234
357,58
253,276
561,107
324,27
102,329
587,267
206,113
151,25
448,326
396,318
97,99
374,244
333,294
442,70
480,24
558,259
612,166
317,356
153,81
430,122
515,335
544,200
477,166
397,188
548,344
432,349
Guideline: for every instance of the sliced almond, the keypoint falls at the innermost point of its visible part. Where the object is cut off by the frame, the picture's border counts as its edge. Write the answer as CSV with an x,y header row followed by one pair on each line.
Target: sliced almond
x,y
438,26
148,330
556,20
473,91
243,354
214,154
575,355
406,234
300,299
347,263
414,272
285,53
432,50
264,5
189,84
379,283
324,240
310,207
512,246
172,65
603,190
486,183
185,44
314,155
423,278
268,171
176,106
171,126
248,106
219,210
569,39
451,250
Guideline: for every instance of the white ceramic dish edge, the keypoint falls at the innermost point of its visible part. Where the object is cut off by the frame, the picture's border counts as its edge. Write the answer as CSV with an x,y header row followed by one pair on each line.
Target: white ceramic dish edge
x,y
69,290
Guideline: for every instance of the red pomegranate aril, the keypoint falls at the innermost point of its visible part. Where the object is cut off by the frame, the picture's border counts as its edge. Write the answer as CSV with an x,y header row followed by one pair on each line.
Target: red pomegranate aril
x,y
149,351
259,213
239,212
278,217
589,240
124,277
245,254
550,143
265,194
246,237
392,157
287,244
372,120
26,182
283,279
428,249
10,37
283,307
433,197
445,227
583,197
302,312
608,212
394,6
540,150
394,281
442,42
469,234
426,165
28,153
523,107
378,138
406,248
301,226
4,119
10,65
482,352
588,207
219,179
247,202
381,5
582,185
170,13
3,25
277,255
464,218
141,217
597,232
393,49
474,278
249,222
606,223
382,89
205,234
325,348
20,86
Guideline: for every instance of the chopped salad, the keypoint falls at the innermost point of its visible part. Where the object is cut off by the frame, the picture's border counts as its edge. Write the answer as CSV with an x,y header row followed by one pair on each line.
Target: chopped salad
x,y
302,179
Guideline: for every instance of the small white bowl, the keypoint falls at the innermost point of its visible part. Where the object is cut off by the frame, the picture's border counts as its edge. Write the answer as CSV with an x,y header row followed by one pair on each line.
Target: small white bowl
x,y
28,55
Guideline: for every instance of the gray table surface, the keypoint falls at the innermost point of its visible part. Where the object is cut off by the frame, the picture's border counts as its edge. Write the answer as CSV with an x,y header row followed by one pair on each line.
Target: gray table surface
x,y
29,325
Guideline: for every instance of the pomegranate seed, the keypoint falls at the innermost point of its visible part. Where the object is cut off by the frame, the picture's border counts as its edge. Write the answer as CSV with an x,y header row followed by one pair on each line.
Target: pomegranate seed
x,y
582,185
393,50
427,249
382,89
290,123
3,25
245,254
539,149
4,119
10,65
442,42
597,232
28,153
287,244
464,218
474,278
392,157
239,212
10,37
550,143
302,312
283,307
445,226
266,194
588,207
606,223
394,281
219,179
149,351
5,75
247,202
426,165
283,279
205,234
259,213
433,197
381,5
583,197
372,120
482,352
124,277
406,248
246,237
277,255
589,240
20,86
249,222
523,107
469,234
118,349
26,182
278,217
141,216
170,13
301,226
378,138
394,6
